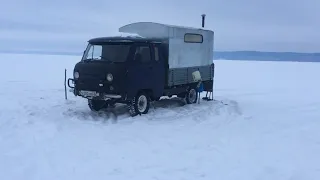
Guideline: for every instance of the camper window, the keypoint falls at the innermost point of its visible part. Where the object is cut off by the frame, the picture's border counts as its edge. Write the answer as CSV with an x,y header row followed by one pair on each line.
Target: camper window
x,y
193,38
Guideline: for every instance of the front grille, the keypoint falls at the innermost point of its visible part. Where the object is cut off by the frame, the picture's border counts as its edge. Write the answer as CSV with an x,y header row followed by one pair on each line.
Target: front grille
x,y
94,85
92,76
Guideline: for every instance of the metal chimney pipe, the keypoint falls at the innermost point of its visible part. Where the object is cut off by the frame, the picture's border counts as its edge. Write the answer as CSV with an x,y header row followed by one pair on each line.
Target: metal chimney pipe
x,y
203,19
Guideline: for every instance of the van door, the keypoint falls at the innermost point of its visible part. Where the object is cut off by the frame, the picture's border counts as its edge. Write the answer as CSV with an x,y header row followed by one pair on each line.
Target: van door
x,y
158,70
140,72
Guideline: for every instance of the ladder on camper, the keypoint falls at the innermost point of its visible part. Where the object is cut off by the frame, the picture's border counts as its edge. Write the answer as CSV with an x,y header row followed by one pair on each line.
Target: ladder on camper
x,y
209,93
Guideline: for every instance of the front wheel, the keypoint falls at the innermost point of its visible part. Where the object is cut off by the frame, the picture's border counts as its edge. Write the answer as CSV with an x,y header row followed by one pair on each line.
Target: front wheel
x,y
140,104
97,105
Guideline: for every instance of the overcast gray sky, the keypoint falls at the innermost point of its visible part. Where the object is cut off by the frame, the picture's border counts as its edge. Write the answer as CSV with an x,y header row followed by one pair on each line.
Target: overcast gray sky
x,y
66,25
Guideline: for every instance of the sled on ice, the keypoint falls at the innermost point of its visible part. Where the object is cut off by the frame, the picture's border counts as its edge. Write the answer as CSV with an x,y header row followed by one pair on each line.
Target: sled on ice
x,y
157,60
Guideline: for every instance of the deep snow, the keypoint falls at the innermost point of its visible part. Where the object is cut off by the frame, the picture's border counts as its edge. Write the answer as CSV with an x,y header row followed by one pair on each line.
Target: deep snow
x,y
268,130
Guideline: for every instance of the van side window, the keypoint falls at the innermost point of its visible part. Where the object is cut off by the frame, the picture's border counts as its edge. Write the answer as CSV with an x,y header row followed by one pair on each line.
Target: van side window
x,y
156,54
144,53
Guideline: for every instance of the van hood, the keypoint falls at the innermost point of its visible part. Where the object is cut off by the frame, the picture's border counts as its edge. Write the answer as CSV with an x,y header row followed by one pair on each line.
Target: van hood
x,y
93,73
99,70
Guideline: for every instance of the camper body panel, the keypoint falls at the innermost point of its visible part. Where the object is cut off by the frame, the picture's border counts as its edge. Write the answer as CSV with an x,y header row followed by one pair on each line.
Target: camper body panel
x,y
189,49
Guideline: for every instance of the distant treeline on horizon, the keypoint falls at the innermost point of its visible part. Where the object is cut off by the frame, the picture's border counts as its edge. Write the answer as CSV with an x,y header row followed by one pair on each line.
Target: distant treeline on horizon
x,y
267,56
222,55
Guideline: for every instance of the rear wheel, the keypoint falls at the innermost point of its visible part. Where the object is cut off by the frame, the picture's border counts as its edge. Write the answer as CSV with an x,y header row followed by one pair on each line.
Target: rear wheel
x,y
140,104
97,105
191,96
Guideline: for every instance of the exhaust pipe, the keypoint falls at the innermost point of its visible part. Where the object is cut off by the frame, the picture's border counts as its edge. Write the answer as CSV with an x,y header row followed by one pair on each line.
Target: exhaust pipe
x,y
203,19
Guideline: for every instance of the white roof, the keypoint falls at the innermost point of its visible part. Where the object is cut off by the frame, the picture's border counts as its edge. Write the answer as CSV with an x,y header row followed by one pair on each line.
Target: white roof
x,y
156,24
153,29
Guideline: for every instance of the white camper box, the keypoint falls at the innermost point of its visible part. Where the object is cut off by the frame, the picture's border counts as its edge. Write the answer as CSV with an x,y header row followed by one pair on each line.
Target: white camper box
x,y
190,49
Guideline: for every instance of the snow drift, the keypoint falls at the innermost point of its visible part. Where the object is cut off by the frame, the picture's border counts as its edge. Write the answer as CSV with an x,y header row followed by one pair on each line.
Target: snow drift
x,y
264,124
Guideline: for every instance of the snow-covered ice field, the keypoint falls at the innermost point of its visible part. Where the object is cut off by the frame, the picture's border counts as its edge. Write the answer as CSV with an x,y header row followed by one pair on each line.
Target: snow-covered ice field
x,y
266,128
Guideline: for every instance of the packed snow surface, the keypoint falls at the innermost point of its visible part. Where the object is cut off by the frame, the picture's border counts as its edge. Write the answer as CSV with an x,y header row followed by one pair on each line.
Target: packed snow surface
x,y
264,125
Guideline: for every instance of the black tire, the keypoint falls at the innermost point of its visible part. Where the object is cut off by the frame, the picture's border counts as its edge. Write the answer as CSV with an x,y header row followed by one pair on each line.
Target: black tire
x,y
97,105
191,96
139,104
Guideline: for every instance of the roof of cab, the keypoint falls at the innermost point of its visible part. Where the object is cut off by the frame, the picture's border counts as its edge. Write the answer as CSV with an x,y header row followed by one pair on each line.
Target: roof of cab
x,y
125,39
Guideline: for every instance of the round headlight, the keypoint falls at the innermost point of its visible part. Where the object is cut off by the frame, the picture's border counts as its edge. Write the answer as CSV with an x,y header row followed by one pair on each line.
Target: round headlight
x,y
76,75
109,77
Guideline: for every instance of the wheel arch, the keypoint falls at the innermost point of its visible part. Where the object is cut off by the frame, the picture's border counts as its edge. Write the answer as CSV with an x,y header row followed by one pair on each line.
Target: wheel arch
x,y
149,92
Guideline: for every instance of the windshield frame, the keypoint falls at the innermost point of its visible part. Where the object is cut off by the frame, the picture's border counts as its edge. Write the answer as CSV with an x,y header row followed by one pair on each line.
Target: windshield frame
x,y
89,46
86,51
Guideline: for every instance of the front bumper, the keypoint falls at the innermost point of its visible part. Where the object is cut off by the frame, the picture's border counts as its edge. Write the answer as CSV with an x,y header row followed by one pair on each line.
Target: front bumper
x,y
72,80
98,95
91,94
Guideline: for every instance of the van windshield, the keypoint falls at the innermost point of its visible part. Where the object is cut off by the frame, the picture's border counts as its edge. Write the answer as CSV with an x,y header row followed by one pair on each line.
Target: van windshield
x,y
107,52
